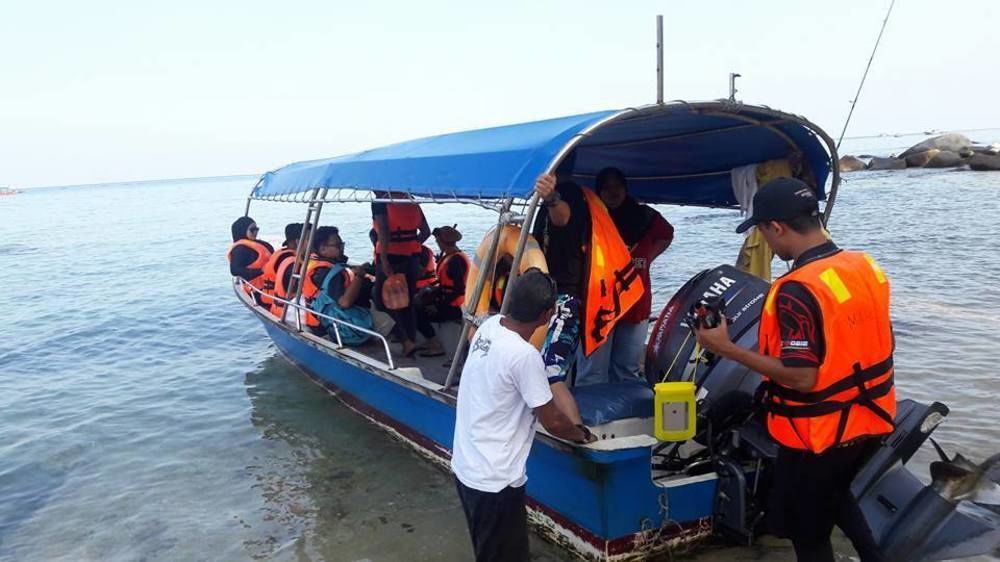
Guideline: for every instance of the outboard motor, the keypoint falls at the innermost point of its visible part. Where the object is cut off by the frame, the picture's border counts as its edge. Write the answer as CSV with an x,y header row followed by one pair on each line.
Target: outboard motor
x,y
726,389
957,515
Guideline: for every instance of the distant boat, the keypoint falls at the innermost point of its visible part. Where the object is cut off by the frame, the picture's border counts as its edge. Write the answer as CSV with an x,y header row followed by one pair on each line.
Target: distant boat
x,y
8,191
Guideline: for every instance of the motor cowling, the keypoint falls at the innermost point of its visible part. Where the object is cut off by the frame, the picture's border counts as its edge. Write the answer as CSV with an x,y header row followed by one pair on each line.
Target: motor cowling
x,y
726,389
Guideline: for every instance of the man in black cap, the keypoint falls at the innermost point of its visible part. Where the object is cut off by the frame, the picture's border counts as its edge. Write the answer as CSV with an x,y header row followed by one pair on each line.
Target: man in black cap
x,y
826,348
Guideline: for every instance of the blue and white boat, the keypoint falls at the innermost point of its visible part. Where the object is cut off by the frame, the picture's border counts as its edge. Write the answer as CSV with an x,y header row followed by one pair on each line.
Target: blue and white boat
x,y
628,495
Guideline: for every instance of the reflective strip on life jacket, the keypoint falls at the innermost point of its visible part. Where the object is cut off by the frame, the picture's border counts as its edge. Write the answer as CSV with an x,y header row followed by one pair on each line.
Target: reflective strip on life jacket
x,y
449,284
855,393
613,282
404,220
263,255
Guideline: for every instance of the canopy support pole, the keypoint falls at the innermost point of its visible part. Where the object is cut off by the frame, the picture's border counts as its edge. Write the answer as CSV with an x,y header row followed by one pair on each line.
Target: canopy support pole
x,y
246,211
302,253
485,271
659,59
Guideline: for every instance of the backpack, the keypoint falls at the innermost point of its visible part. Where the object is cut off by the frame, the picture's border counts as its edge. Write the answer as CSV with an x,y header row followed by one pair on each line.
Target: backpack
x,y
355,315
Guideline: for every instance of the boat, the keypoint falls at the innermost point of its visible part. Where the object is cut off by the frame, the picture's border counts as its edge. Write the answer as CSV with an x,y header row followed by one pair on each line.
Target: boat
x,y
629,495
8,191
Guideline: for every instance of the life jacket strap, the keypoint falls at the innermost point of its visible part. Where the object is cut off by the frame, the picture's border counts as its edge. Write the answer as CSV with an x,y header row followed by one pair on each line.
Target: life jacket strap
x,y
865,398
403,236
857,378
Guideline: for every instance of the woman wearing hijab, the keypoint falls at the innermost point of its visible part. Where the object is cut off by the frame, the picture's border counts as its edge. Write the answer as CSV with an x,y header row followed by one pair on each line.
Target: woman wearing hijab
x,y
248,256
647,235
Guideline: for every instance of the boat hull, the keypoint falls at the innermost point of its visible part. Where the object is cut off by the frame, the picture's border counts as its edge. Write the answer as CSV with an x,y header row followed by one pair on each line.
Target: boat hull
x,y
599,504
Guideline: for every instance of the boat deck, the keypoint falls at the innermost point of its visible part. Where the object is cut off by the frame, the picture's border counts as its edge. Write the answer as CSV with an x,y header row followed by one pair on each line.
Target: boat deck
x,y
434,369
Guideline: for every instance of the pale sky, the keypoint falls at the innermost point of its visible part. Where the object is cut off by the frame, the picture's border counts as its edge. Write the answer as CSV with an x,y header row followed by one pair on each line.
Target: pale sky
x,y
113,91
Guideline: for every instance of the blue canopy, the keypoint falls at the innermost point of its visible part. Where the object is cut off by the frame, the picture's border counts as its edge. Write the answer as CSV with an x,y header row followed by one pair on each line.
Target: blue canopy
x,y
679,153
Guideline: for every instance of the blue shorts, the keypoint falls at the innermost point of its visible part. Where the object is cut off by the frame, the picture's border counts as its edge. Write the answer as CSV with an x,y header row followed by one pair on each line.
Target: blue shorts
x,y
562,338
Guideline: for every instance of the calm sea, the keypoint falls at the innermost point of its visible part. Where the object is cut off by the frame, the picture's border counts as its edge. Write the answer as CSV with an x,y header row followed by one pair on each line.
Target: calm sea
x,y
145,416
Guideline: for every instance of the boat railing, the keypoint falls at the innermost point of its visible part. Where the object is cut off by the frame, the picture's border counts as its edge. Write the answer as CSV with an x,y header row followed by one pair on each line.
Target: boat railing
x,y
336,322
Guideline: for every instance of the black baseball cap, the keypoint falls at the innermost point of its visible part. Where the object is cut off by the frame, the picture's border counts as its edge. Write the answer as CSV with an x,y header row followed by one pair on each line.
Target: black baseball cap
x,y
781,199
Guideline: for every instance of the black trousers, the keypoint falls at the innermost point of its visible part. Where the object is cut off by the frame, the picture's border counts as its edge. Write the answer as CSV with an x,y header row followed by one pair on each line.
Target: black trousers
x,y
427,315
811,495
498,523
406,319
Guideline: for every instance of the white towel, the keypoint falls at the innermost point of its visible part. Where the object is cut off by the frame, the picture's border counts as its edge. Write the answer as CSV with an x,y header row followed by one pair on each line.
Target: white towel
x,y
744,187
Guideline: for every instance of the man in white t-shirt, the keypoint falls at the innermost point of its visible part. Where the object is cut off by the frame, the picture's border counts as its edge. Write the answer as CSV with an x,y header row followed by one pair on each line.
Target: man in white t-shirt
x,y
504,386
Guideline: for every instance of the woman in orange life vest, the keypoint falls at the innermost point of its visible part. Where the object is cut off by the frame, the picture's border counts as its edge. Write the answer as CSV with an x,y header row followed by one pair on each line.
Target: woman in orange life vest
x,y
273,284
594,274
401,230
826,348
443,302
248,256
647,235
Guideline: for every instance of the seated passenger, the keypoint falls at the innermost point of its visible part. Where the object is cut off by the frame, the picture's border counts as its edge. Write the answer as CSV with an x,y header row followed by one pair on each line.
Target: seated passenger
x,y
428,269
293,232
248,256
647,235
344,294
326,245
443,302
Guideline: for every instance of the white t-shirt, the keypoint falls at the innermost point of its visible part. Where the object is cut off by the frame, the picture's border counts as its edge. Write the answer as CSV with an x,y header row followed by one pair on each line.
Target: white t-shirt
x,y
502,382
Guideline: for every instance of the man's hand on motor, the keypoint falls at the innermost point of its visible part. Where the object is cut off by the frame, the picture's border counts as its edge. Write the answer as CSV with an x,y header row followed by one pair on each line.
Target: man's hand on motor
x,y
715,339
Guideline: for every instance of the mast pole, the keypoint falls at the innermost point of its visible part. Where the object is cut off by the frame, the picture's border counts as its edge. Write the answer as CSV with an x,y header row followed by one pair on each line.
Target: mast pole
x,y
659,59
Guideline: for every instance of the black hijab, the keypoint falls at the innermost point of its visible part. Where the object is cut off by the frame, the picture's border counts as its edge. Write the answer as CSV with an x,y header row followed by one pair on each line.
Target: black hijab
x,y
240,227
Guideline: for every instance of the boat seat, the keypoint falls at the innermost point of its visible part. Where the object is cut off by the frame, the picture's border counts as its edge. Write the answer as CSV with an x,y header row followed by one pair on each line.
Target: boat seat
x,y
606,402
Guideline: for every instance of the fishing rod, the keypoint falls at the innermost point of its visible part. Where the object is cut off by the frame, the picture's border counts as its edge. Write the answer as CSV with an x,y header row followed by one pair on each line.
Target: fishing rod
x,y
857,94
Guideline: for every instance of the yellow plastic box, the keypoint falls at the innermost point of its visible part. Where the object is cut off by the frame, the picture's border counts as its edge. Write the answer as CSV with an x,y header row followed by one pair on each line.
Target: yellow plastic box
x,y
675,411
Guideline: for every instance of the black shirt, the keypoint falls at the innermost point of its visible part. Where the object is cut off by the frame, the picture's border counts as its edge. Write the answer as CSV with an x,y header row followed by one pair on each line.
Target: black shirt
x,y
240,259
338,286
800,319
564,245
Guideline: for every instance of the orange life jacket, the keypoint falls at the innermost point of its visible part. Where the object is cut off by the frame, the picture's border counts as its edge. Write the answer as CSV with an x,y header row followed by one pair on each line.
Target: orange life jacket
x,y
263,255
404,220
613,283
280,290
310,289
449,284
854,394
271,270
429,275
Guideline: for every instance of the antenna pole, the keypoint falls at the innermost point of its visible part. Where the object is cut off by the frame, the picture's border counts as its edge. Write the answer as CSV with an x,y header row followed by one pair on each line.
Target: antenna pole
x,y
857,95
659,59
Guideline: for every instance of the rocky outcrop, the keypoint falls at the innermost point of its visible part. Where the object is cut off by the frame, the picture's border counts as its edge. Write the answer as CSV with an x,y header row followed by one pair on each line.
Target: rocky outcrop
x,y
945,159
984,162
887,164
952,142
920,159
989,149
851,164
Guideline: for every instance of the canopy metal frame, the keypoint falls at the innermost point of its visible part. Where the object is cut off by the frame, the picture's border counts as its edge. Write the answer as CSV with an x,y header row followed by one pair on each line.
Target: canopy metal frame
x,y
316,197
